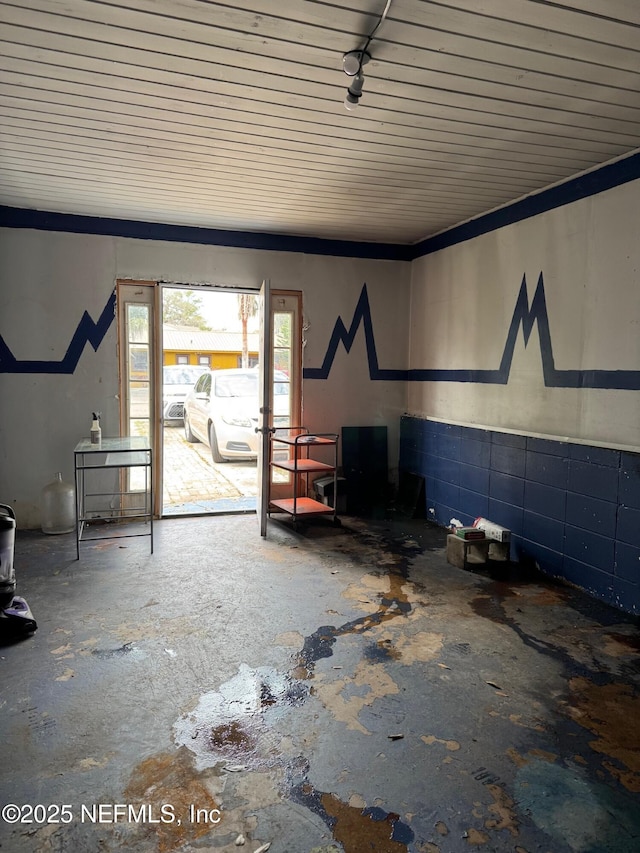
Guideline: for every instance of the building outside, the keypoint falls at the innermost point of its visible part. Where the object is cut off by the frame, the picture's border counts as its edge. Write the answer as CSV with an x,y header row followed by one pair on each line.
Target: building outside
x,y
217,350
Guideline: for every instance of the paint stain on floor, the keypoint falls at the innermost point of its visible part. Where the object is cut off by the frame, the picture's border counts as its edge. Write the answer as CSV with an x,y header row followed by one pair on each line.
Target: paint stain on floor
x,y
371,681
619,644
502,811
357,828
239,722
366,829
612,713
169,778
475,837
382,597
576,811
451,745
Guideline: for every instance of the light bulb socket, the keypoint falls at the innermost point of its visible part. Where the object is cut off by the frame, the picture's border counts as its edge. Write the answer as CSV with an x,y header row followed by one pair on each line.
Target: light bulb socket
x,y
354,92
353,60
355,89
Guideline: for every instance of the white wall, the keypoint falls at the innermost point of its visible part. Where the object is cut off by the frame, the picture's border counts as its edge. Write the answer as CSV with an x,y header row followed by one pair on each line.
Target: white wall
x,y
47,281
462,301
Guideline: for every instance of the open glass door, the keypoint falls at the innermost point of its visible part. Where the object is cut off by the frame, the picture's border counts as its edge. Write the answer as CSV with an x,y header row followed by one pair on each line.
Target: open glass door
x,y
281,389
265,385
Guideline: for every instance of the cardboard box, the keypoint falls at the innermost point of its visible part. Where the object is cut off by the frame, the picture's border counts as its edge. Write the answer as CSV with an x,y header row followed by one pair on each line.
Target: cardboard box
x,y
492,530
470,533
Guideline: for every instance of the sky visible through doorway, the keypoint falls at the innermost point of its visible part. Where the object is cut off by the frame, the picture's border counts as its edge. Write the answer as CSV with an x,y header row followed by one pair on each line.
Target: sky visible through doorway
x,y
220,310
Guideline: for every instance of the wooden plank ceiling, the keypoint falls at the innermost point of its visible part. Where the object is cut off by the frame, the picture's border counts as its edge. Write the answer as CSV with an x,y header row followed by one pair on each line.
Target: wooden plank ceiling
x,y
231,114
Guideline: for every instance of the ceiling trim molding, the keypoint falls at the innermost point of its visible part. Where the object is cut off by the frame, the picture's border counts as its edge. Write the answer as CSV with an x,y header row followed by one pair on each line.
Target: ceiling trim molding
x,y
15,217
584,185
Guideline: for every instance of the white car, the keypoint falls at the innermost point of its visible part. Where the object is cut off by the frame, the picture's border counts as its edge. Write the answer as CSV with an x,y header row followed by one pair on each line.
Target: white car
x,y
177,381
222,411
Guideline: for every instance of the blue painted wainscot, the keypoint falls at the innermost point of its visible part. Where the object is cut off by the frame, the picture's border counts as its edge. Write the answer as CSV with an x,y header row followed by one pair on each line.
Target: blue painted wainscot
x,y
572,508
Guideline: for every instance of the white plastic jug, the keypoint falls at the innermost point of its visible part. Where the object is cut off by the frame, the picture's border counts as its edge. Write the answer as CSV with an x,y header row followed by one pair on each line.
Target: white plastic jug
x,y
58,507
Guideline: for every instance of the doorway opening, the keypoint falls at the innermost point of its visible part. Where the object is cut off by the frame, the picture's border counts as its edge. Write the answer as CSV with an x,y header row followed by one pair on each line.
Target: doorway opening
x,y
193,379
209,370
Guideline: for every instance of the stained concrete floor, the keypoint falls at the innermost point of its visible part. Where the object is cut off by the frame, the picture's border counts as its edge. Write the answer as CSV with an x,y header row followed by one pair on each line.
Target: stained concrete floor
x,y
327,689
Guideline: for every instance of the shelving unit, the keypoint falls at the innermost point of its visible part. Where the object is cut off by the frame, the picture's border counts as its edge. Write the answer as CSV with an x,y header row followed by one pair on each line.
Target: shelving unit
x,y
301,465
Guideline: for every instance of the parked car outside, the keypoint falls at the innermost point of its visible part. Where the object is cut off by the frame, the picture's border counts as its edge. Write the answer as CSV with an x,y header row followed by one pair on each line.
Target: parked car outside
x,y
177,381
222,411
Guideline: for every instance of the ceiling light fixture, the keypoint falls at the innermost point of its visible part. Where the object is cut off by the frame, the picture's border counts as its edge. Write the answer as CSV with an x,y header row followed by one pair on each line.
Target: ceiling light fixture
x,y
354,92
352,63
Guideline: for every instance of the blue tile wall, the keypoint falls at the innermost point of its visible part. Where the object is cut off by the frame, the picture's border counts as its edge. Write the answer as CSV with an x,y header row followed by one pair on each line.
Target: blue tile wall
x,y
509,460
551,560
473,504
543,445
546,531
474,478
547,469
545,500
506,515
596,455
589,548
600,481
591,514
474,452
628,562
572,508
505,488
628,526
629,480
474,434
509,439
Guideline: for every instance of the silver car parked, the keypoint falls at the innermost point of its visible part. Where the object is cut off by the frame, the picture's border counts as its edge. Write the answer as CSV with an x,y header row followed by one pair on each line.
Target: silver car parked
x,y
177,381
222,411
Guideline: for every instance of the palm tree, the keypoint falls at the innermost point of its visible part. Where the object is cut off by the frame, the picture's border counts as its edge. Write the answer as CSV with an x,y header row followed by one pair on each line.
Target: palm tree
x,y
247,307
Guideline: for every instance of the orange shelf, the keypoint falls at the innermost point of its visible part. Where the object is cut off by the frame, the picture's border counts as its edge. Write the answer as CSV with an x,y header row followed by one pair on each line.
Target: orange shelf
x,y
303,466
303,440
303,506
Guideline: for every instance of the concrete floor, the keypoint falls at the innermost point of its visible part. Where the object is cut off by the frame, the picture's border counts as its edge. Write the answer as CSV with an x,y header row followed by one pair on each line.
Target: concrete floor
x,y
330,689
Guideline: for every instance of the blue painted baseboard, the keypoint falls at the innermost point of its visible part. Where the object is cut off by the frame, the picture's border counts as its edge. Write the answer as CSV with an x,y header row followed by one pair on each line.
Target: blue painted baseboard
x,y
572,508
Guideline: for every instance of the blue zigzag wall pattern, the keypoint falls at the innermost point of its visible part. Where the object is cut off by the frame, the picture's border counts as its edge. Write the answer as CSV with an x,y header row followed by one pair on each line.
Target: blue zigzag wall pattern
x,y
87,332
525,315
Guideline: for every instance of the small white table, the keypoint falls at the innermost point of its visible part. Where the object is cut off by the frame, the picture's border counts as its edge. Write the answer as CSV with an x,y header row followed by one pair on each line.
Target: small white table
x,y
122,454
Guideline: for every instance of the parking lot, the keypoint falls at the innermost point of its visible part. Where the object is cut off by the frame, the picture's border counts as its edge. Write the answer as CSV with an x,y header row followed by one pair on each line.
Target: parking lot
x,y
193,483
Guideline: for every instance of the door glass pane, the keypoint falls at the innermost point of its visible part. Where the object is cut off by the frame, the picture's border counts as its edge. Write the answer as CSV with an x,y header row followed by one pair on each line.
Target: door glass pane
x,y
138,322
140,404
282,323
139,371
282,397
138,380
282,361
138,362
